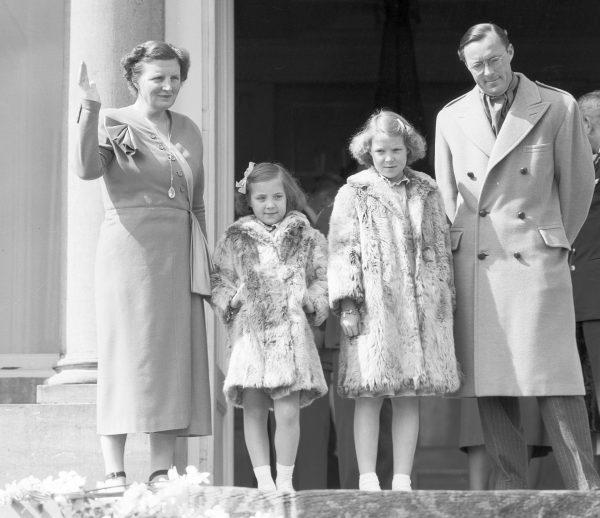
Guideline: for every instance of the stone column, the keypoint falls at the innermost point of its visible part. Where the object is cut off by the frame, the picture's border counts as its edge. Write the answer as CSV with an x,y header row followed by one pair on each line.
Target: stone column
x,y
101,31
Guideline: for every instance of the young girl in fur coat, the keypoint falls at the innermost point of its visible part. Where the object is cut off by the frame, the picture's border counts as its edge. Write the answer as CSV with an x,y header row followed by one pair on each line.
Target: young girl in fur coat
x,y
391,281
269,287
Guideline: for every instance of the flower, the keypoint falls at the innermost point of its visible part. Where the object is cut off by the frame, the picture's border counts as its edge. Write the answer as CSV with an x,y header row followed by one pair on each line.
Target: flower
x,y
241,185
63,497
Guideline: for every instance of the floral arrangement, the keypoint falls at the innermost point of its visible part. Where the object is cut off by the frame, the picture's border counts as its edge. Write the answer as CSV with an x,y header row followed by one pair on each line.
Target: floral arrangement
x,y
64,497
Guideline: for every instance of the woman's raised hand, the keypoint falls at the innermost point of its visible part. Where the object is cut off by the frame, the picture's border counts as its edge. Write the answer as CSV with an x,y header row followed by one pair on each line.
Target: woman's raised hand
x,y
87,87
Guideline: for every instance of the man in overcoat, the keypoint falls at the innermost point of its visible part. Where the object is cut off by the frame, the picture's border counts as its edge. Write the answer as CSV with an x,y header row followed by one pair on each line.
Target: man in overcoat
x,y
513,165
585,260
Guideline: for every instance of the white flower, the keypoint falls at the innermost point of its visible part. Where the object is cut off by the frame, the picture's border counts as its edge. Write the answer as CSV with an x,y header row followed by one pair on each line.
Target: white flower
x,y
263,514
216,512
67,482
195,477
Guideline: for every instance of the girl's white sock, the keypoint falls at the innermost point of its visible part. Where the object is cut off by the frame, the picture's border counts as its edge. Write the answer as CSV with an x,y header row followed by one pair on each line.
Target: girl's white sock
x,y
284,477
368,482
401,482
264,478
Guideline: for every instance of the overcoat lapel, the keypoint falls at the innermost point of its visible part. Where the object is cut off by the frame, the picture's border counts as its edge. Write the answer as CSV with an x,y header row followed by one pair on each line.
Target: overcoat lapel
x,y
525,112
474,123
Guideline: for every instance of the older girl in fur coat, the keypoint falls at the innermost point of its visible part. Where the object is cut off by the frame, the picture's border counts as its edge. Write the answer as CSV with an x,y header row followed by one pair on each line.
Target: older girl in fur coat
x,y
390,280
269,287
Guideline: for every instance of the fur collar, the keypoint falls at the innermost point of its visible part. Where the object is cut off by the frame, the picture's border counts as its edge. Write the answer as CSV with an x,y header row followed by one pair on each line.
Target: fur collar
x,y
294,222
369,184
369,180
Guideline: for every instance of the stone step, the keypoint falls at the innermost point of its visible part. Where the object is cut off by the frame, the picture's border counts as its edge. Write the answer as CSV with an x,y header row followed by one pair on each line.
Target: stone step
x,y
241,502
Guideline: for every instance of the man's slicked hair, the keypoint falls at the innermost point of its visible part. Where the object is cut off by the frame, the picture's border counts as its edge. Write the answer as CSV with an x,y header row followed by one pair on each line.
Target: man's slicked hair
x,y
478,32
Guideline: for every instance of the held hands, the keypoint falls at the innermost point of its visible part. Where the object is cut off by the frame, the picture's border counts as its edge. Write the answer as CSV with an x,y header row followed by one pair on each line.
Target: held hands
x,y
350,321
87,88
236,300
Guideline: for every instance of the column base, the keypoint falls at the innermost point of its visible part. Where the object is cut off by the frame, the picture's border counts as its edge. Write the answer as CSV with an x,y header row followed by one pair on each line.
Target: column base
x,y
74,371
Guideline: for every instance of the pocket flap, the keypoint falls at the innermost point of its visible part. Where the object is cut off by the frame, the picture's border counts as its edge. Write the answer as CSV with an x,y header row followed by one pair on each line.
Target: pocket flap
x,y
555,237
455,237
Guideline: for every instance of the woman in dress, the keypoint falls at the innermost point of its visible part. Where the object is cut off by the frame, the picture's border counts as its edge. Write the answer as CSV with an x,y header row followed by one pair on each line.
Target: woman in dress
x,y
152,263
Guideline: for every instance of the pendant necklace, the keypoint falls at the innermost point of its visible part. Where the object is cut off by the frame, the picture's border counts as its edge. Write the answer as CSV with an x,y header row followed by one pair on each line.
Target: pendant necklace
x,y
171,191
170,155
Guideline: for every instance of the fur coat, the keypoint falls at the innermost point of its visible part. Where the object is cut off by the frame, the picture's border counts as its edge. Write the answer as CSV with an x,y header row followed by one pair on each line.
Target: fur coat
x,y
395,263
270,338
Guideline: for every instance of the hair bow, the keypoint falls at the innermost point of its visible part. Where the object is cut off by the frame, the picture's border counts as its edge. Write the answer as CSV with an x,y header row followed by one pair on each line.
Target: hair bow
x,y
241,185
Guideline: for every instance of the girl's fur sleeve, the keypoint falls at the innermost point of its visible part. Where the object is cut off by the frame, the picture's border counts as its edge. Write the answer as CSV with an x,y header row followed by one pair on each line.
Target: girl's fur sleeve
x,y
316,280
345,263
224,280
443,227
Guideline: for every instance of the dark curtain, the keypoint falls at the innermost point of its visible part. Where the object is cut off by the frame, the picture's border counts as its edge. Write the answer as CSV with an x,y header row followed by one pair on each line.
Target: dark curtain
x,y
398,82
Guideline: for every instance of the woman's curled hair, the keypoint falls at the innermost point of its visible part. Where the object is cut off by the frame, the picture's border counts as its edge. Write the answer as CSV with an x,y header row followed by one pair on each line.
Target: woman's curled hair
x,y
152,51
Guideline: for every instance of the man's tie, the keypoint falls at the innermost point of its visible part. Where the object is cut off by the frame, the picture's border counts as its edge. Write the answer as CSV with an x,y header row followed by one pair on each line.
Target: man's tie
x,y
597,163
495,105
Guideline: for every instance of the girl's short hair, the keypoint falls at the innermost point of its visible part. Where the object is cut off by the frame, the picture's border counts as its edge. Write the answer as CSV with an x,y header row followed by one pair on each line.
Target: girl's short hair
x,y
132,62
263,172
392,124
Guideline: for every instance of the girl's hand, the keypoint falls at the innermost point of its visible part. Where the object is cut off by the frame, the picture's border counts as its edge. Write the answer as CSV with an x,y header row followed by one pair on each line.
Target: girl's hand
x,y
88,88
236,300
350,323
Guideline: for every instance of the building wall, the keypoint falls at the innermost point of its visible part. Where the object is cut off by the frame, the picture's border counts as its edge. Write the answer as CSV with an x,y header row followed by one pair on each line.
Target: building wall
x,y
32,175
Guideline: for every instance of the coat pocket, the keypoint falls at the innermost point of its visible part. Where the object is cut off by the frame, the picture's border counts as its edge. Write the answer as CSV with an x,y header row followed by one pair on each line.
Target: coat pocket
x,y
554,237
455,237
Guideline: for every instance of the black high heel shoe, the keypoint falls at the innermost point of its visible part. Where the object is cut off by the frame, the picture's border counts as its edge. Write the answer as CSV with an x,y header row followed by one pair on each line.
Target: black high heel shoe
x,y
162,475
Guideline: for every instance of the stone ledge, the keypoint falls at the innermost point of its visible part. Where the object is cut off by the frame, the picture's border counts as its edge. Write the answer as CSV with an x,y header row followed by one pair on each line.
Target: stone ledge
x,y
241,502
81,393
41,440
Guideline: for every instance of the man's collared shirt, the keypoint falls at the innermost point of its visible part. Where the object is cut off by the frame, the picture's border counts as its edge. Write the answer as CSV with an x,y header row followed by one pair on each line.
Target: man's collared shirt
x,y
496,108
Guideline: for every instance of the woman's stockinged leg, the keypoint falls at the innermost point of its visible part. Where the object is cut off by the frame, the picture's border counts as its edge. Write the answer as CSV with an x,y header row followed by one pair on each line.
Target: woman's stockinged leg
x,y
113,452
162,451
405,432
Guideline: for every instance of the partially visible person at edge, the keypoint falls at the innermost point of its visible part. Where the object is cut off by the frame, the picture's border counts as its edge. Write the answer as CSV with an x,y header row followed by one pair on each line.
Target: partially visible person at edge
x,y
512,162
390,281
152,352
585,273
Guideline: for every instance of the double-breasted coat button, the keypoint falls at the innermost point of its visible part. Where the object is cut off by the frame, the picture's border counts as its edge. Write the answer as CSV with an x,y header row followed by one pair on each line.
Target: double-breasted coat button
x,y
483,213
482,255
517,255
179,173
182,188
471,175
153,137
161,146
573,250
523,170
521,215
572,267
